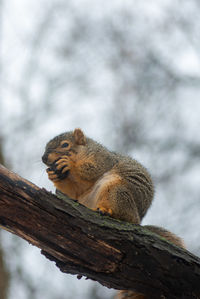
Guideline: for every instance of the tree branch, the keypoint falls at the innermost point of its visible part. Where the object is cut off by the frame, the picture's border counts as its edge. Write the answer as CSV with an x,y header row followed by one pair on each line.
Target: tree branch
x,y
117,254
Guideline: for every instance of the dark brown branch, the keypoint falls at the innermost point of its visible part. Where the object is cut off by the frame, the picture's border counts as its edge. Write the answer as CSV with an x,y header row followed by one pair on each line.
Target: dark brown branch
x,y
117,254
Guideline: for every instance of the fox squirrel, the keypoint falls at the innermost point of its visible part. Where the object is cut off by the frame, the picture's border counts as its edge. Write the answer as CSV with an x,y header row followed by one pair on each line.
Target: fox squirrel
x,y
102,180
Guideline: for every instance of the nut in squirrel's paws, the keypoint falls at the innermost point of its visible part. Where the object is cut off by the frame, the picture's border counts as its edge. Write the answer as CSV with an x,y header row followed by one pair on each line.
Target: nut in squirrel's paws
x,y
59,170
104,211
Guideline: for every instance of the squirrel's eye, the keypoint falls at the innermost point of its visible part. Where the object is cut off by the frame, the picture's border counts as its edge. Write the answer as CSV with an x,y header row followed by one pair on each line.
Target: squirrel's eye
x,y
66,144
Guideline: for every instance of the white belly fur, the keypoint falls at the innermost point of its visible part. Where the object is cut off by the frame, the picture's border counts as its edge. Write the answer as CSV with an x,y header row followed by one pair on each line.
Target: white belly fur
x,y
92,196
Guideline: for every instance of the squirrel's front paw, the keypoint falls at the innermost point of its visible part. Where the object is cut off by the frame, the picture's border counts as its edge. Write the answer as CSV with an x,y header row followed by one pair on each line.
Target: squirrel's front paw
x,y
52,175
59,169
63,164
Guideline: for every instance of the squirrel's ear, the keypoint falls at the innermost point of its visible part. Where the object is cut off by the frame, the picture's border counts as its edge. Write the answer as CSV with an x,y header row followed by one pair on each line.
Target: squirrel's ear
x,y
79,137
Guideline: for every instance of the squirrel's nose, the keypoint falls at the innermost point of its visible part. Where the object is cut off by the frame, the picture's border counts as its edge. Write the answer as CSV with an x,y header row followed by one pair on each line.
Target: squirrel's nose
x,y
45,158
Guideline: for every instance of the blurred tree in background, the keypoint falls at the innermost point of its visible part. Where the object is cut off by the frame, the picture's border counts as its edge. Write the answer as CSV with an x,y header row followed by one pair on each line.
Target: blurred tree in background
x,y
127,72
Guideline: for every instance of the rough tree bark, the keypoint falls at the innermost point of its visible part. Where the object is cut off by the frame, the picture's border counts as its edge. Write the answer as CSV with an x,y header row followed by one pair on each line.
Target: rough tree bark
x,y
80,241
4,273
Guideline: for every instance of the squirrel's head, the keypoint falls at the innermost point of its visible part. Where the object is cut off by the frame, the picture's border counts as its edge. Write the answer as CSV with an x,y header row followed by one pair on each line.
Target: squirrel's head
x,y
63,144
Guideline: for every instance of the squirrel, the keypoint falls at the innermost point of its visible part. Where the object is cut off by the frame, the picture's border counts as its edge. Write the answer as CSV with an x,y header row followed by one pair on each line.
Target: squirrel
x,y
102,180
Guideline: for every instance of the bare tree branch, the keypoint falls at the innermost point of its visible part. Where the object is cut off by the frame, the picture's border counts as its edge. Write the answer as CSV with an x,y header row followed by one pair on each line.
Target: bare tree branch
x,y
117,254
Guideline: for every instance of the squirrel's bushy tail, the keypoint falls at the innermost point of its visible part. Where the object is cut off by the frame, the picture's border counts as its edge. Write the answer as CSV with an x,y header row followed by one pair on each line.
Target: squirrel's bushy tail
x,y
168,236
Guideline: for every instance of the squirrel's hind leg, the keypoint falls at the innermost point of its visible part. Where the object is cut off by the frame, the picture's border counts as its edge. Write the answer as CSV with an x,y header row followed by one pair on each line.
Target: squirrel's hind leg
x,y
116,201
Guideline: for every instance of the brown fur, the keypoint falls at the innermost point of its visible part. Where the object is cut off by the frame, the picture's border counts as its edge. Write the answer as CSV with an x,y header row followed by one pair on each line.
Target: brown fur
x,y
100,179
